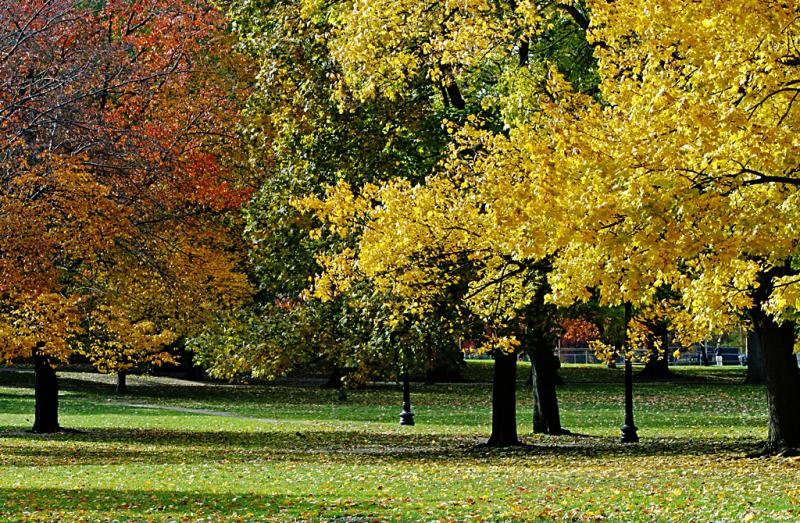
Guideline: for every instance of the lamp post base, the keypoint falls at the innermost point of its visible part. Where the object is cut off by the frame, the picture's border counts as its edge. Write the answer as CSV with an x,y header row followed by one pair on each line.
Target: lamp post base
x,y
629,434
406,417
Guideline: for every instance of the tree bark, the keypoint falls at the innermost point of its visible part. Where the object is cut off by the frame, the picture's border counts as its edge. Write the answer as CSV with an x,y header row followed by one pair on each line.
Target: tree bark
x,y
783,381
657,363
451,91
122,382
756,371
504,401
334,378
656,366
704,355
454,94
544,372
46,391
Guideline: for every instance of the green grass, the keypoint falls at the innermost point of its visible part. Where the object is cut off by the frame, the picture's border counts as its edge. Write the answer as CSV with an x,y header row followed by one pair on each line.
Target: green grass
x,y
294,453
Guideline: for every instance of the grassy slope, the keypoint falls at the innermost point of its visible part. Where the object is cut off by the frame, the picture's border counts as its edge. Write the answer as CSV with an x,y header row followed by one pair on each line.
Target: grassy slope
x,y
307,457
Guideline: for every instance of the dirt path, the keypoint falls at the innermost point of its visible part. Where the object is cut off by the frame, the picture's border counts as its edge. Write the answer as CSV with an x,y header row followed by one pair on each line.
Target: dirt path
x,y
218,413
206,412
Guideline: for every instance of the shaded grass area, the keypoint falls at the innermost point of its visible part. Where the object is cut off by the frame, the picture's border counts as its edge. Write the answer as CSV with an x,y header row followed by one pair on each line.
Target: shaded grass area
x,y
298,454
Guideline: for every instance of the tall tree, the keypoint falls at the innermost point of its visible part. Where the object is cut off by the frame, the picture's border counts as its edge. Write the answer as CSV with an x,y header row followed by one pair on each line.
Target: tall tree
x,y
693,154
116,179
306,129
420,241
679,176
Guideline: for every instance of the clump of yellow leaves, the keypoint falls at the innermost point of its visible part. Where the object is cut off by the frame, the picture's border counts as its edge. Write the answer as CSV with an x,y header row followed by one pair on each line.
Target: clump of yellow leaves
x,y
34,321
681,174
117,343
382,45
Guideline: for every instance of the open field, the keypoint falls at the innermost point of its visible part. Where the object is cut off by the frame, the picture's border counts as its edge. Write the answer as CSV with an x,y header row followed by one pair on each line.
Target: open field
x,y
178,451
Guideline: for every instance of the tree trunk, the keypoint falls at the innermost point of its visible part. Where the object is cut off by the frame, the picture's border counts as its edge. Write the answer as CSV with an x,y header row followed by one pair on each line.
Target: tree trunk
x,y
504,401
756,371
783,381
122,382
544,371
46,390
656,366
704,355
657,363
335,378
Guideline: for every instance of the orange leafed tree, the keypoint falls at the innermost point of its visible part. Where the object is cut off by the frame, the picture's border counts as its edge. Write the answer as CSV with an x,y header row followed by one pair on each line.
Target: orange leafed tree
x,y
118,173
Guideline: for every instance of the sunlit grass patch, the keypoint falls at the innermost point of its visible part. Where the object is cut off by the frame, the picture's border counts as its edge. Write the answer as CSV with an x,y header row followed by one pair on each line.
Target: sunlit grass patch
x,y
296,453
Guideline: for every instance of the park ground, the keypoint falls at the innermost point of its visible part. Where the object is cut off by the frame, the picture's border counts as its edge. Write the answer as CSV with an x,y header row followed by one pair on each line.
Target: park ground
x,y
184,451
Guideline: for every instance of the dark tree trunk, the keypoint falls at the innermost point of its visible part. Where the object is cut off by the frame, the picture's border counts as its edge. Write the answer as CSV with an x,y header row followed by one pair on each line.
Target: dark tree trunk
x,y
656,366
529,380
544,372
454,93
504,401
335,378
756,371
783,381
657,363
46,390
539,340
704,355
524,52
122,382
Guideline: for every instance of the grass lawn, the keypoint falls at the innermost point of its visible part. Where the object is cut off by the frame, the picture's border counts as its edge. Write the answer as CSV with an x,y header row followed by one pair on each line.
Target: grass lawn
x,y
177,451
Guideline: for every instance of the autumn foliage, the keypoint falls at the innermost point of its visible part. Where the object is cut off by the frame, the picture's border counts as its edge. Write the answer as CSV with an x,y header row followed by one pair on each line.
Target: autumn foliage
x,y
671,185
117,165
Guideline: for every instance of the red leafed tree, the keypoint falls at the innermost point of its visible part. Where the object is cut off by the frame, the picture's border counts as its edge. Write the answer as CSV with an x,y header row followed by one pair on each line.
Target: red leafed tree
x,y
118,175
577,332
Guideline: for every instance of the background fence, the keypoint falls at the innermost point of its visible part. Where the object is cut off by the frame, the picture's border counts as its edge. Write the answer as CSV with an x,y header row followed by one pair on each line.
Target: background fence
x,y
731,355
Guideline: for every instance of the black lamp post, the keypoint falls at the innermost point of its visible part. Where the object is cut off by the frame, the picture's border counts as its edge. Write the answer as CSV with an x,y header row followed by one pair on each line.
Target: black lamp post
x,y
406,417
629,434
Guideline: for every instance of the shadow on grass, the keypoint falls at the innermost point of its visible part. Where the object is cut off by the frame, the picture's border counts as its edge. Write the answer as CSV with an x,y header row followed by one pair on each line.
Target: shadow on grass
x,y
122,446
160,504
279,392
379,403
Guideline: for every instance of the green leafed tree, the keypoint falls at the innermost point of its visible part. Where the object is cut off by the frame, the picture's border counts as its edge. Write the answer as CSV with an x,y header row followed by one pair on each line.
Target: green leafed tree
x,y
306,130
426,243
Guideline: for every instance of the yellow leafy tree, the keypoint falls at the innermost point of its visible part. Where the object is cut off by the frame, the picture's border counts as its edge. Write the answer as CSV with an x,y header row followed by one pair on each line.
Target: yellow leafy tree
x,y
682,176
677,178
685,177
419,241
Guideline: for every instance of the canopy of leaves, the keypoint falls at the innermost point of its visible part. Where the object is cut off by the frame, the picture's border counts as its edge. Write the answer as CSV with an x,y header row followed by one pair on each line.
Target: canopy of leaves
x,y
672,186
118,175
